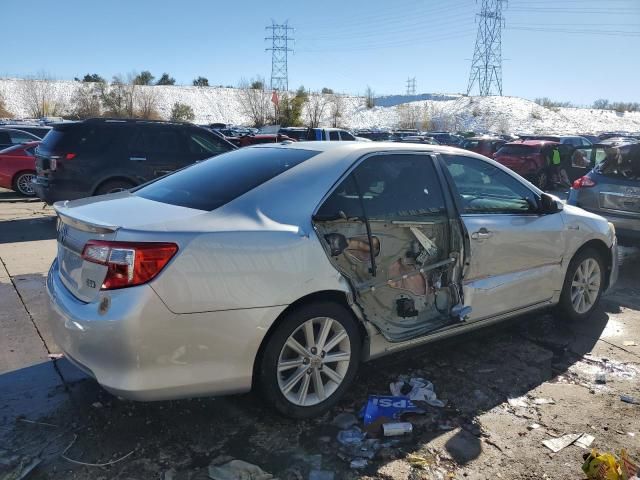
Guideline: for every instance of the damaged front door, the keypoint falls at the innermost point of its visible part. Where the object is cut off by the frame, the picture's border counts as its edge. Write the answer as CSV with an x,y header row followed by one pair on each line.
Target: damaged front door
x,y
386,228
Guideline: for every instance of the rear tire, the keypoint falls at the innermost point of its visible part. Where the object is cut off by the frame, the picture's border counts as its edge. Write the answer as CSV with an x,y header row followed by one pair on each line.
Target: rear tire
x,y
113,186
583,286
310,359
22,183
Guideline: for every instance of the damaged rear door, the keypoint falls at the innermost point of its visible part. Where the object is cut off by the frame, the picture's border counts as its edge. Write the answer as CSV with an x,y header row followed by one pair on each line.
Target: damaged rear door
x,y
386,228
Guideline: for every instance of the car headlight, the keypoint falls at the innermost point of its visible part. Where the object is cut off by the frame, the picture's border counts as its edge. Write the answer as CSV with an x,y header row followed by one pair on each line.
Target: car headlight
x,y
612,230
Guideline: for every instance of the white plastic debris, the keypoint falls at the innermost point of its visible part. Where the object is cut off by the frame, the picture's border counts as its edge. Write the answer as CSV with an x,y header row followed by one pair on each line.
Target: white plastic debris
x,y
238,470
518,402
533,426
421,390
560,443
544,401
629,343
585,440
353,436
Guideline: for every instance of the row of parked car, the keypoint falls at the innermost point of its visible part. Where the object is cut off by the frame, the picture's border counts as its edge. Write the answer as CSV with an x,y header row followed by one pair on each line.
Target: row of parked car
x,y
98,156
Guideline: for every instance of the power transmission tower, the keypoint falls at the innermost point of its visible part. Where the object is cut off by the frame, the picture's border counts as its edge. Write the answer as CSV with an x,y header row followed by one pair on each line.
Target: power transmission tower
x,y
411,86
486,66
279,51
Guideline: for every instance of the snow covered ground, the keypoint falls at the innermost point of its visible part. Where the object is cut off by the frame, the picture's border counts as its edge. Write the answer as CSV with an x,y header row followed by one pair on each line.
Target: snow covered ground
x,y
454,112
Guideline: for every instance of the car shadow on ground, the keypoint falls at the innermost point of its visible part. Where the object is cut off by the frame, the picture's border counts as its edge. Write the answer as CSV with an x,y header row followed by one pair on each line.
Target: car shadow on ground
x,y
28,229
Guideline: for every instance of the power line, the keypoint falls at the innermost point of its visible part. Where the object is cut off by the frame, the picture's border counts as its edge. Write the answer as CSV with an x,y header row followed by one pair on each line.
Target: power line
x,y
279,54
486,66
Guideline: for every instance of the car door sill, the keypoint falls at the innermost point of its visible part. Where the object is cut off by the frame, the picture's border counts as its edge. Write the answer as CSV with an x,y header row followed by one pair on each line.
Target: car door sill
x,y
381,346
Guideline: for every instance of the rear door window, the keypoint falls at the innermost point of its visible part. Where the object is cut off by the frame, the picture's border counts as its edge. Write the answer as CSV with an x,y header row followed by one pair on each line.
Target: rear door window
x,y
214,182
333,136
157,140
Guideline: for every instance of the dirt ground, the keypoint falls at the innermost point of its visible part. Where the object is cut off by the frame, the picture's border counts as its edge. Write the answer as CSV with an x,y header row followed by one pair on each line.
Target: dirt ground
x,y
561,378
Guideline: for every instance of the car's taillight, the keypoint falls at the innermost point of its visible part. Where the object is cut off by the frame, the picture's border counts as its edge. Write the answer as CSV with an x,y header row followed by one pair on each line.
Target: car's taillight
x,y
128,263
583,182
54,160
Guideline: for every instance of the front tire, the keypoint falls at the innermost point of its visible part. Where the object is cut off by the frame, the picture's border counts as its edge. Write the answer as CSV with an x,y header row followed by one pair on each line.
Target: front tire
x,y
310,359
583,285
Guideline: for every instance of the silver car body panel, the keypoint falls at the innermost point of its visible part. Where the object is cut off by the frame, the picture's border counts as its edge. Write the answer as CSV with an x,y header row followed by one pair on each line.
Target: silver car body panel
x,y
196,328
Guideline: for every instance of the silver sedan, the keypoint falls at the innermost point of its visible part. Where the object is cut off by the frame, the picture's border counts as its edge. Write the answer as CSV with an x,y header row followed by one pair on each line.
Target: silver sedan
x,y
285,266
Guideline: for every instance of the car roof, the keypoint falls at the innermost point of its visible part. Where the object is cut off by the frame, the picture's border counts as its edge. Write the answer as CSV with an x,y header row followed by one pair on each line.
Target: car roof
x,y
363,147
532,143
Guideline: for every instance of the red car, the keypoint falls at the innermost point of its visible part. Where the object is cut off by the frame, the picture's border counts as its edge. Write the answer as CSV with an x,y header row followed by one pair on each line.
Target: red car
x,y
18,168
529,158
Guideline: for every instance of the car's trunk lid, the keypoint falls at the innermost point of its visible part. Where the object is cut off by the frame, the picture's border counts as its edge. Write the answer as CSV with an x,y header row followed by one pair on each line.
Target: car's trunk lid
x,y
621,197
96,219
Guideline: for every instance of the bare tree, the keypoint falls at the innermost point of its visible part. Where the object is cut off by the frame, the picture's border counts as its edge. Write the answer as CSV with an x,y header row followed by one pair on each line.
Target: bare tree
x,y
316,106
146,102
119,98
336,109
369,97
39,96
255,102
86,100
4,113
409,115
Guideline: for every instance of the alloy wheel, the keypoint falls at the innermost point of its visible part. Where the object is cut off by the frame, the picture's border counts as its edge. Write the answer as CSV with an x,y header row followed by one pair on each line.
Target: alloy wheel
x,y
585,285
314,361
23,183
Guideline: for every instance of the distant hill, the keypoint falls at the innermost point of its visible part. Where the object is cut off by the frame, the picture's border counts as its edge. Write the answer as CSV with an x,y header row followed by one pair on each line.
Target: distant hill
x,y
428,111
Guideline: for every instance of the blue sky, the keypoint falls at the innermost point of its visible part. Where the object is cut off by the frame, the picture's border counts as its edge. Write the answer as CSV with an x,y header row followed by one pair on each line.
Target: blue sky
x,y
576,50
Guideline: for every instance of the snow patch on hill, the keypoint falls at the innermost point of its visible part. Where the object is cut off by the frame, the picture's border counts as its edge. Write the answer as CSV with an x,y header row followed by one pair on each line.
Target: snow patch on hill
x,y
455,112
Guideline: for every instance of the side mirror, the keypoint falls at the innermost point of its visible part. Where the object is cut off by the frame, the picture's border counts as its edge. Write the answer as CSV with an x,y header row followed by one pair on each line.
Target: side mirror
x,y
550,204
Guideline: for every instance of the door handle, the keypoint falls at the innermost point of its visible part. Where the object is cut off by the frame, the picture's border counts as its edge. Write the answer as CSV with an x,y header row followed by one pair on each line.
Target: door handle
x,y
138,159
481,234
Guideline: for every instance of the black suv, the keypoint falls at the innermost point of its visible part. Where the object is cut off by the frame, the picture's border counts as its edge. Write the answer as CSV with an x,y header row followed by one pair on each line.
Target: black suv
x,y
99,156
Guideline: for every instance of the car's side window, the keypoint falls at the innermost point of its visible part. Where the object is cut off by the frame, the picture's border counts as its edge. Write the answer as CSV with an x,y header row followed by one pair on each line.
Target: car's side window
x,y
484,188
346,136
157,140
393,187
19,137
333,136
206,145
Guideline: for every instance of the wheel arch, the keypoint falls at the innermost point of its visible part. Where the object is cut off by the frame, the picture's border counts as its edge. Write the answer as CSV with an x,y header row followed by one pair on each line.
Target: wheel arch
x,y
115,178
605,253
335,296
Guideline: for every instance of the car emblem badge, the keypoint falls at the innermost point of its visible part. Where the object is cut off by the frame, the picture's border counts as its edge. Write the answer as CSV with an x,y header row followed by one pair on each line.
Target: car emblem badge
x,y
62,233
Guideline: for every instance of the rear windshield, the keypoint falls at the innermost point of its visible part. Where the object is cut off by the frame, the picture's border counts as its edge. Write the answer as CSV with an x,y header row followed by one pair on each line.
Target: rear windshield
x,y
214,182
622,162
518,150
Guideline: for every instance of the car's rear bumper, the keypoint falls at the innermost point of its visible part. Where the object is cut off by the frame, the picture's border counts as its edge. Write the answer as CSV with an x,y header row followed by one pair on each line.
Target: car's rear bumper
x,y
135,347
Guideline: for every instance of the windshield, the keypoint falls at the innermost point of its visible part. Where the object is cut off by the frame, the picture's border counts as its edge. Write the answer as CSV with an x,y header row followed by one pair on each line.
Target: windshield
x,y
622,162
214,182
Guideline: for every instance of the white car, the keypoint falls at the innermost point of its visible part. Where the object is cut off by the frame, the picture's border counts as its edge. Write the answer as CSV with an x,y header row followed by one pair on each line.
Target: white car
x,y
285,266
